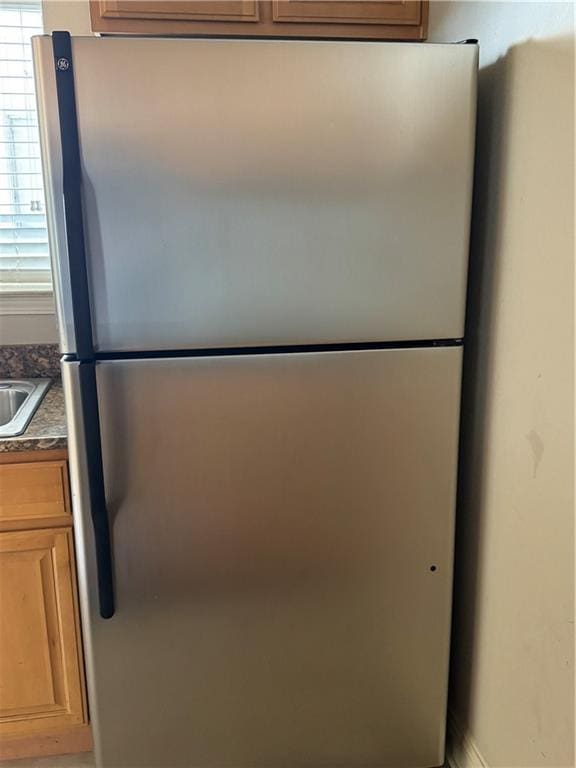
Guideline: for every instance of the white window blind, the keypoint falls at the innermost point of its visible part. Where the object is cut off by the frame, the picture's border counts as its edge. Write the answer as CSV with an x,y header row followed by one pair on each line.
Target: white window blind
x,y
24,255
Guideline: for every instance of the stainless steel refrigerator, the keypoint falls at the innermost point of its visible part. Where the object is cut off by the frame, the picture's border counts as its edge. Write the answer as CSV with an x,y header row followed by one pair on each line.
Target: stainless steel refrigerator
x,y
260,255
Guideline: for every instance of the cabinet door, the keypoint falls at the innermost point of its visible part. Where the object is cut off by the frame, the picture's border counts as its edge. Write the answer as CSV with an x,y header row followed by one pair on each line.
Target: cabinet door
x,y
40,668
180,10
343,12
358,19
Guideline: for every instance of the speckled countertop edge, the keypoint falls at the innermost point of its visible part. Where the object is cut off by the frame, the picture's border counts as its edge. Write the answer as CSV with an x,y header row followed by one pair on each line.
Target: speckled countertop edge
x,y
47,429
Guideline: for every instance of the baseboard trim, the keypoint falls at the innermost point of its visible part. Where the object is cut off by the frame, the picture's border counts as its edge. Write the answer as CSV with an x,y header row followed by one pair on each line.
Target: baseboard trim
x,y
66,741
461,750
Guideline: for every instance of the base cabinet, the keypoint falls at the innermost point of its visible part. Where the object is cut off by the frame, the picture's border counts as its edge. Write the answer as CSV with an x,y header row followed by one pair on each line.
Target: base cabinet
x,y
42,692
40,685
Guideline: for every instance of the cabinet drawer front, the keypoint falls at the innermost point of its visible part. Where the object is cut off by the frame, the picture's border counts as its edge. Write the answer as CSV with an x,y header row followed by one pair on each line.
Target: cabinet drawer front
x,y
183,10
33,491
343,12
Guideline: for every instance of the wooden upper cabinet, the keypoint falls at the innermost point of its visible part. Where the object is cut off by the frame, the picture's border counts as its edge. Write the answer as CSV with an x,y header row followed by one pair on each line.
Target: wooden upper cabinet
x,y
347,12
180,10
338,19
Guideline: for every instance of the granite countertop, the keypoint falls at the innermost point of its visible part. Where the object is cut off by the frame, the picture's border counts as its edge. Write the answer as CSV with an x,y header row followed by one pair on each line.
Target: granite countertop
x,y
47,429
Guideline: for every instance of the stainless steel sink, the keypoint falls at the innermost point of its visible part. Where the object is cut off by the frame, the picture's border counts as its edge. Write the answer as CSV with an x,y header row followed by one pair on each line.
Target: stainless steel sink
x,y
19,399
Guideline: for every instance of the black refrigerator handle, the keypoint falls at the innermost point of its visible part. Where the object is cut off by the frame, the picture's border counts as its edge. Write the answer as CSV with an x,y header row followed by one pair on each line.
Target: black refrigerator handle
x,y
80,295
96,489
72,192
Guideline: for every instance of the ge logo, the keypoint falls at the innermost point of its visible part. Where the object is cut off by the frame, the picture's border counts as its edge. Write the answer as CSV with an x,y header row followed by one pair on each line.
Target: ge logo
x,y
62,64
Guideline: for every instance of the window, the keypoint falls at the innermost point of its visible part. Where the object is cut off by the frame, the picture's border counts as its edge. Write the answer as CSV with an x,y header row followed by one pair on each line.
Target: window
x,y
24,254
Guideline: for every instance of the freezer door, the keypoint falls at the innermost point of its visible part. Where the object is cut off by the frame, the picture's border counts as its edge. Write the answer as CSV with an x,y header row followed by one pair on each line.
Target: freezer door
x,y
283,538
243,193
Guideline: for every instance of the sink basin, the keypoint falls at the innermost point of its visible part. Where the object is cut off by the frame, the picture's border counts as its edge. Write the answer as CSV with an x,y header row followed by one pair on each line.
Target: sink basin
x,y
19,399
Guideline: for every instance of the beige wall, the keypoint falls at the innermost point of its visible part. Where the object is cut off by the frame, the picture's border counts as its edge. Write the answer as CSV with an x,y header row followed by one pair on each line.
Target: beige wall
x,y
28,328
513,647
67,15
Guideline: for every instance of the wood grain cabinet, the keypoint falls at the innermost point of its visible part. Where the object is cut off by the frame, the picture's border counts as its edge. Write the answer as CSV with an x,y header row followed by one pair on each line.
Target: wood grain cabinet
x,y
339,19
42,693
178,10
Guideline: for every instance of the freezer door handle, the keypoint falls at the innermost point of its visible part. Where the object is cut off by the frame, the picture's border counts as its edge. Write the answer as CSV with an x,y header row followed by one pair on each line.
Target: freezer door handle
x,y
96,488
72,190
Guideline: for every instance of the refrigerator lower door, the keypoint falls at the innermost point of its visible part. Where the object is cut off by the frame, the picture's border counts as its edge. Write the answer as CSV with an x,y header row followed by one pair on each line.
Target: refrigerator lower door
x,y
282,532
